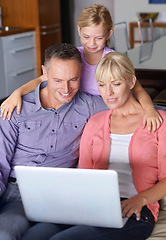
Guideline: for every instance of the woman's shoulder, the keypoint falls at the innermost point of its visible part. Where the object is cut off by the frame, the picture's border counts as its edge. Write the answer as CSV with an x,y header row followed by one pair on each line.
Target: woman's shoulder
x,y
100,116
162,128
163,114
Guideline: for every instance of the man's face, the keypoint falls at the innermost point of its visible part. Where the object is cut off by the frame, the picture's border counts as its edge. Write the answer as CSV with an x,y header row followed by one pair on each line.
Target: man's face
x,y
63,80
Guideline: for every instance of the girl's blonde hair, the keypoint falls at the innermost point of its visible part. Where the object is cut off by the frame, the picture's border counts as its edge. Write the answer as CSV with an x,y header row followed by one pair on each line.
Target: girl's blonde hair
x,y
94,15
114,65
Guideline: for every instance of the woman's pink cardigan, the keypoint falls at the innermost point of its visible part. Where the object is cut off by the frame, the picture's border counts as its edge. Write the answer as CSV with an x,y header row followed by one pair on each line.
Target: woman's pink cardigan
x,y
147,152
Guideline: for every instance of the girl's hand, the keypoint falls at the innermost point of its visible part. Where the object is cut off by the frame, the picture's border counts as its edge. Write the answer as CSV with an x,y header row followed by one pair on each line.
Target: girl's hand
x,y
152,119
7,107
132,205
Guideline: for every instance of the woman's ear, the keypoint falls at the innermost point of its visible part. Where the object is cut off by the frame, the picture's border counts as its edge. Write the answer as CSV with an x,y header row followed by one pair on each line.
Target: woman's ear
x,y
133,81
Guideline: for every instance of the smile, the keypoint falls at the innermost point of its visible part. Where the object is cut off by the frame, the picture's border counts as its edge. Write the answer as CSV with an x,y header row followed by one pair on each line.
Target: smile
x,y
92,49
112,100
65,94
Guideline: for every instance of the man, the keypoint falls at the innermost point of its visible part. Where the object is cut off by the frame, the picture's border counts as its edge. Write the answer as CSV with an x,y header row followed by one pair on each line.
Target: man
x,y
46,133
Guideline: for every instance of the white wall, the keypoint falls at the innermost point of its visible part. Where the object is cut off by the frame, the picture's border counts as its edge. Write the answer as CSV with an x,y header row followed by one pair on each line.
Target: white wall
x,y
126,10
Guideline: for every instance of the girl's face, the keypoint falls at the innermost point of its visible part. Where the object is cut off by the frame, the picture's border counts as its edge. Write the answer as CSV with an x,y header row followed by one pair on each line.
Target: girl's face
x,y
114,92
94,38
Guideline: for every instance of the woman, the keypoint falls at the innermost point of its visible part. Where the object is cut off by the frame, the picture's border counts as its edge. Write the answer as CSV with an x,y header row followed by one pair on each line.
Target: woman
x,y
115,139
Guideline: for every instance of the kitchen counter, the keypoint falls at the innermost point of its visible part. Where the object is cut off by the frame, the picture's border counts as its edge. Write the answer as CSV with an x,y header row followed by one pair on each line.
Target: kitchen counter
x,y
6,31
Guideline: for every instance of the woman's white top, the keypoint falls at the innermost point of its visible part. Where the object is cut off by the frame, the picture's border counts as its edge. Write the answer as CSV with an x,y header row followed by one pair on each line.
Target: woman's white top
x,y
119,161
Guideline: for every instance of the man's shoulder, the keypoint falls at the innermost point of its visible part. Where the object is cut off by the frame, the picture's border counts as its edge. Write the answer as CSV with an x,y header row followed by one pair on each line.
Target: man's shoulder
x,y
93,104
88,98
28,104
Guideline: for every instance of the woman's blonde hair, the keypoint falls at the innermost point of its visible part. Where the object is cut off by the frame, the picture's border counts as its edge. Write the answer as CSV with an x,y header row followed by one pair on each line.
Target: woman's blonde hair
x,y
94,15
114,65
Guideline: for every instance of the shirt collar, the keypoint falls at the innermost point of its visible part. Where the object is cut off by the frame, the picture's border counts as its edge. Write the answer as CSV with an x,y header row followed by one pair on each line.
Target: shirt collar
x,y
37,95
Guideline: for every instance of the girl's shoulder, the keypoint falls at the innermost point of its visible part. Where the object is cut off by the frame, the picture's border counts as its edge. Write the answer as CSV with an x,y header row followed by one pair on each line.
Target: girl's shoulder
x,y
107,50
81,49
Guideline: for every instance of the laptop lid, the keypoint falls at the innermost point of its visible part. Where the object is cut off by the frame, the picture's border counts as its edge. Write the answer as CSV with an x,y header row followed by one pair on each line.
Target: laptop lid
x,y
70,195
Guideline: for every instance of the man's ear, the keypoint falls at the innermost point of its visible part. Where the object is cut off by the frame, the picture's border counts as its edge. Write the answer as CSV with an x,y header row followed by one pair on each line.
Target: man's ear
x,y
133,81
44,70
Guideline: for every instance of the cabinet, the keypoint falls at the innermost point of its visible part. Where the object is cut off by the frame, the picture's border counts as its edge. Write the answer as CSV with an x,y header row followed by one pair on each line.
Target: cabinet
x,y
43,15
17,61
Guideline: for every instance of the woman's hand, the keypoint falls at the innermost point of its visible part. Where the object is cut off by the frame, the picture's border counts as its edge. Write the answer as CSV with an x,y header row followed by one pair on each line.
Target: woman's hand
x,y
7,107
152,120
132,205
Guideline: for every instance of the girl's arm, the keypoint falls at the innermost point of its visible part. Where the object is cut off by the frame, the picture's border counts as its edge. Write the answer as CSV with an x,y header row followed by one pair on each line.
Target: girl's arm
x,y
14,100
151,195
151,118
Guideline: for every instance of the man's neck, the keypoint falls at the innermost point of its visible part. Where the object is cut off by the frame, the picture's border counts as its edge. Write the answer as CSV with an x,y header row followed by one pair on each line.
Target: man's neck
x,y
46,101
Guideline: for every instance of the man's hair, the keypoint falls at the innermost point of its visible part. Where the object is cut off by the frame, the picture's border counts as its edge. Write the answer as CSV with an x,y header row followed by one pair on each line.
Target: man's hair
x,y
62,51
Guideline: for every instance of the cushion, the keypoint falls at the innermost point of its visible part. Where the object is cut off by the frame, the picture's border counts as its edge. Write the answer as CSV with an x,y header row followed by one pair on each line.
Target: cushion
x,y
159,231
163,203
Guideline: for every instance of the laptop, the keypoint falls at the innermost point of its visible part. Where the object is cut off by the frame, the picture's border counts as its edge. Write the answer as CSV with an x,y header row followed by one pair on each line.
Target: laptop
x,y
70,196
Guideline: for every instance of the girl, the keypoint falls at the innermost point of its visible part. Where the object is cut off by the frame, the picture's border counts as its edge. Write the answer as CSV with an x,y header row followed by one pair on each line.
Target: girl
x,y
95,27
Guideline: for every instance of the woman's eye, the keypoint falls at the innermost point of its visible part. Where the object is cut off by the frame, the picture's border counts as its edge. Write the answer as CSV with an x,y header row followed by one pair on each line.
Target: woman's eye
x,y
101,85
116,84
86,37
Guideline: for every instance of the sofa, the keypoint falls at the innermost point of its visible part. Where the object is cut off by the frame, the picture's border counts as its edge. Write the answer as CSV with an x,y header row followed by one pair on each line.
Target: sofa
x,y
159,231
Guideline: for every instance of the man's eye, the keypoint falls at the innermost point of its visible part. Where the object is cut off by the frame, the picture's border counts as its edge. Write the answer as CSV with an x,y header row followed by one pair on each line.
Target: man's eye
x,y
99,38
86,37
73,80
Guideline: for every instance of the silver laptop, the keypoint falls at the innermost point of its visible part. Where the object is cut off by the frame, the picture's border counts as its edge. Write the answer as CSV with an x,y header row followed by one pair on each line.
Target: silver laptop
x,y
70,196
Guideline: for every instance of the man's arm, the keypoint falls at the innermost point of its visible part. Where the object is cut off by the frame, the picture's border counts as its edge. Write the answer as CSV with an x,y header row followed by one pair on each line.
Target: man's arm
x,y
8,139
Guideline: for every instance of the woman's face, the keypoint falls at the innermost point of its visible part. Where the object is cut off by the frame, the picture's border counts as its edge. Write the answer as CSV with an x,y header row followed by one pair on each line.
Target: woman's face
x,y
93,38
114,92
